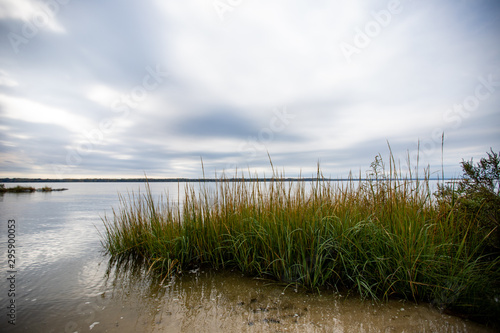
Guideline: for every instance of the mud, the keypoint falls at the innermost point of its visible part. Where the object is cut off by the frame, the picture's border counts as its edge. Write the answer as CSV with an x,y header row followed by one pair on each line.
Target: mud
x,y
202,301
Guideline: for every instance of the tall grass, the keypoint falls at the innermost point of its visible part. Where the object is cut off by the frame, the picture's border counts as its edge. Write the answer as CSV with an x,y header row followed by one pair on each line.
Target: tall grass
x,y
383,237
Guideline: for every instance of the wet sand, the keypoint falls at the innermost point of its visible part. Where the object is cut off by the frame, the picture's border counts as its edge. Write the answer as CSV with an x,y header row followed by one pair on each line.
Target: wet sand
x,y
229,302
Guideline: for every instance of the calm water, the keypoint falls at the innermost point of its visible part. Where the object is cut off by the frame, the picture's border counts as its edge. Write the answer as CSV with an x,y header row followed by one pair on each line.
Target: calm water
x,y
65,283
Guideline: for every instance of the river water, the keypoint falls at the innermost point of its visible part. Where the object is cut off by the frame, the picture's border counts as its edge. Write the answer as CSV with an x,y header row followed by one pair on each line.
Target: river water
x,y
61,281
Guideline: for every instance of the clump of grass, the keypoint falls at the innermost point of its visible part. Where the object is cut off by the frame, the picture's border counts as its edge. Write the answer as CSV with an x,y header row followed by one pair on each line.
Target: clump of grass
x,y
383,237
27,189
16,189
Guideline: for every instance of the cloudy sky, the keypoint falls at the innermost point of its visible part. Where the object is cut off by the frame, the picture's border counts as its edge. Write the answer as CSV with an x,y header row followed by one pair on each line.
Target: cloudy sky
x,y
122,88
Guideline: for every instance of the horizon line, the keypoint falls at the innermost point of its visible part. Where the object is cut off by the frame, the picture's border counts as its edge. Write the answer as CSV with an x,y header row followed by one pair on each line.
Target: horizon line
x,y
199,180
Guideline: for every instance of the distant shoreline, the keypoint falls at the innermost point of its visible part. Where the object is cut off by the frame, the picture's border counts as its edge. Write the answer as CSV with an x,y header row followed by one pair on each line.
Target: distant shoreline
x,y
179,180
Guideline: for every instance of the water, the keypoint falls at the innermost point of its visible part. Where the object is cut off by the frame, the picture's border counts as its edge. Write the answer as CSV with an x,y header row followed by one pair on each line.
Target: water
x,y
63,282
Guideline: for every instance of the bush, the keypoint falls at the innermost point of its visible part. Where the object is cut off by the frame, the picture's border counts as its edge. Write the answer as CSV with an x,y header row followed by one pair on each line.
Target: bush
x,y
477,195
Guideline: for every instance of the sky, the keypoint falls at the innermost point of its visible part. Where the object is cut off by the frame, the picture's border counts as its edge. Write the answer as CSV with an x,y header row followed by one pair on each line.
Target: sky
x,y
118,89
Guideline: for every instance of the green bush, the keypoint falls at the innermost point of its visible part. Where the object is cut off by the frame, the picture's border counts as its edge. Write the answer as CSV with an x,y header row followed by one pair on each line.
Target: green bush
x,y
477,196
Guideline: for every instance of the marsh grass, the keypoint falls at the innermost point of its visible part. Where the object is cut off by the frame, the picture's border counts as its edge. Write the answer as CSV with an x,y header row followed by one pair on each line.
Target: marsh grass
x,y
379,238
27,189
17,189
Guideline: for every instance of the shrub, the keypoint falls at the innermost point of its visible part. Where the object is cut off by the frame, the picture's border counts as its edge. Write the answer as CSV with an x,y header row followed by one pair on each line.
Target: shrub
x,y
477,195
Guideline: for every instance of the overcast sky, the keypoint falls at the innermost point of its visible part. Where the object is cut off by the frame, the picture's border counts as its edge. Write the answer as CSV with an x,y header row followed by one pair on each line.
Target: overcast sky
x,y
122,88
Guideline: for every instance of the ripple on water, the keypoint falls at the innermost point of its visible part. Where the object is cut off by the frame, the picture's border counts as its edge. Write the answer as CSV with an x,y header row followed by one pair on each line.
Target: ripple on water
x,y
208,301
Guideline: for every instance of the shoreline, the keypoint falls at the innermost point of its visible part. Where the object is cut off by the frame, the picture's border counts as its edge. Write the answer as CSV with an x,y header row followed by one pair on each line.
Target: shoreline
x,y
196,180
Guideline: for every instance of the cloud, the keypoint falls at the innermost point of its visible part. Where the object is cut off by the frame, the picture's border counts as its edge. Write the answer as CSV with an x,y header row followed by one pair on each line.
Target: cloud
x,y
268,43
71,98
34,13
215,124
6,80
30,111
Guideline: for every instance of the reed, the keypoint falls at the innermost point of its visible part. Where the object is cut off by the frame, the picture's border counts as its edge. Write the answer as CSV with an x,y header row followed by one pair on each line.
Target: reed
x,y
379,238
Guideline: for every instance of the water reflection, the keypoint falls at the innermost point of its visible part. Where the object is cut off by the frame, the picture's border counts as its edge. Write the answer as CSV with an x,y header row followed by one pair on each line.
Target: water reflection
x,y
203,300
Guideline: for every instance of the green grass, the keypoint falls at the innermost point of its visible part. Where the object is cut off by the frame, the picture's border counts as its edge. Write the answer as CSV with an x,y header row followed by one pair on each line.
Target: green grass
x,y
379,238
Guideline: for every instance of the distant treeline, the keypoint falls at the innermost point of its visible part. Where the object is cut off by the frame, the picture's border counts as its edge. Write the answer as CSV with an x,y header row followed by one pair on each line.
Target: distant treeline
x,y
151,180
169,180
